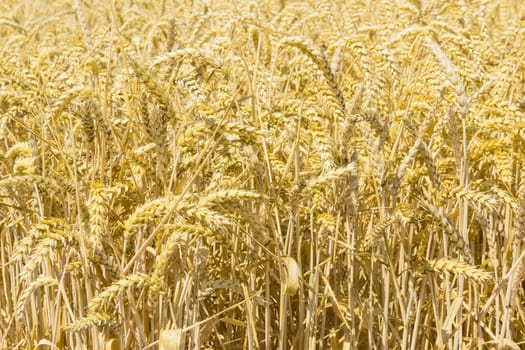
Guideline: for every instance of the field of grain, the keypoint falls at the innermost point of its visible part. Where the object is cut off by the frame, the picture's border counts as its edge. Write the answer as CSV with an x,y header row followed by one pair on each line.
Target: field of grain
x,y
224,174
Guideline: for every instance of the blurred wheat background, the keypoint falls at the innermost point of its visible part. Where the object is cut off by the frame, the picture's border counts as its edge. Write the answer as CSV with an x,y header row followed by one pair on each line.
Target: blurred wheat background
x,y
268,174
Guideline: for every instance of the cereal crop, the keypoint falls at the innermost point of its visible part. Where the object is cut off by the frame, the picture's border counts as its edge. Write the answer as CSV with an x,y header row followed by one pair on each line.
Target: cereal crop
x,y
267,174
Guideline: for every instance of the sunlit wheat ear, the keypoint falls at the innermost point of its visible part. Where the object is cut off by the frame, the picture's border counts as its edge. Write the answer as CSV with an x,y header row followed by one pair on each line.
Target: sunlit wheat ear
x,y
321,182
98,199
450,230
319,60
96,319
54,239
24,161
41,281
374,235
476,199
171,339
458,268
178,234
102,300
430,163
290,278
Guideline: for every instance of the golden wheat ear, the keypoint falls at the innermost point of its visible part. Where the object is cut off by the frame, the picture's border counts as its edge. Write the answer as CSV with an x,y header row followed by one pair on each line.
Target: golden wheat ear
x,y
236,174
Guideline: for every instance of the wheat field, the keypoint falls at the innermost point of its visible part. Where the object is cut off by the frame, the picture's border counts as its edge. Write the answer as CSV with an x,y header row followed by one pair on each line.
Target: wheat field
x,y
224,174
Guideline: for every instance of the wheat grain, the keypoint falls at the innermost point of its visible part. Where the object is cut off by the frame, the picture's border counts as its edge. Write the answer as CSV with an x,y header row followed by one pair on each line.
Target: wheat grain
x,y
100,302
262,174
41,281
458,268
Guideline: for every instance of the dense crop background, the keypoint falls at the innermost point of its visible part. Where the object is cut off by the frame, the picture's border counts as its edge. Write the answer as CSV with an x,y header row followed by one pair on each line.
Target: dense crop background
x,y
262,174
